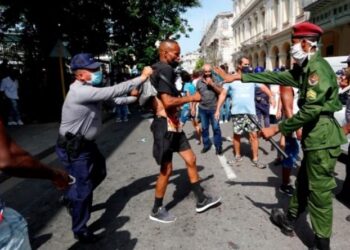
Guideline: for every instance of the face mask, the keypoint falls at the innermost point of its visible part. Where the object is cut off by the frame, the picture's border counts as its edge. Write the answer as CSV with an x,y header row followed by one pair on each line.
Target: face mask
x,y
298,53
174,64
245,69
96,78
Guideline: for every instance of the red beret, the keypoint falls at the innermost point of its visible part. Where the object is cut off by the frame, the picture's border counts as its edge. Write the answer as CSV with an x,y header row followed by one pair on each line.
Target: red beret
x,y
306,29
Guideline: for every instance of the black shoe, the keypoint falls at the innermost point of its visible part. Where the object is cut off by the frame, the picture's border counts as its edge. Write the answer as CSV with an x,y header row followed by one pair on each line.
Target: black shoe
x,y
287,189
218,151
204,150
320,244
86,237
283,221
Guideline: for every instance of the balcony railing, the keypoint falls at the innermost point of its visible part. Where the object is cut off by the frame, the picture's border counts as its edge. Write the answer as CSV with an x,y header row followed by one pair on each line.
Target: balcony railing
x,y
255,39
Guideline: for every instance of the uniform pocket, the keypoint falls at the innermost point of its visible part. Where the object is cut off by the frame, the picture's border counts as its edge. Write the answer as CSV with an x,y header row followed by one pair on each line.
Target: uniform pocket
x,y
335,152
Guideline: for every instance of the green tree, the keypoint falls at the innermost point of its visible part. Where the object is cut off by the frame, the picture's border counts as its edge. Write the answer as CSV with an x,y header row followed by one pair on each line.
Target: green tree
x,y
199,64
125,29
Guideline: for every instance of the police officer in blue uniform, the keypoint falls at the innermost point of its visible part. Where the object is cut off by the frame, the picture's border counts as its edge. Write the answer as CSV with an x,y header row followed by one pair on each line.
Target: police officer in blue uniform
x,y
81,121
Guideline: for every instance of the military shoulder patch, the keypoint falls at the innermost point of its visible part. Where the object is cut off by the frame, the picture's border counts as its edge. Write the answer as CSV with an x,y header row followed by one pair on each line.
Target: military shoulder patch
x,y
311,95
313,79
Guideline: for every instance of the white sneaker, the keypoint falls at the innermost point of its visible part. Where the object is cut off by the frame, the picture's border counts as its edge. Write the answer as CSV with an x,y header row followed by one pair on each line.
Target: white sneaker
x,y
221,121
20,123
12,123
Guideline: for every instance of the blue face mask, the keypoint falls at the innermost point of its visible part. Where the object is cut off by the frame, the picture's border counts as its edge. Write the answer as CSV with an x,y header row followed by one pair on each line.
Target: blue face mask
x,y
96,78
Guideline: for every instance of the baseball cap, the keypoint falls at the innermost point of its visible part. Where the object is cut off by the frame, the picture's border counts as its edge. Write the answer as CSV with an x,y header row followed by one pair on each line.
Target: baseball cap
x,y
84,61
347,60
306,29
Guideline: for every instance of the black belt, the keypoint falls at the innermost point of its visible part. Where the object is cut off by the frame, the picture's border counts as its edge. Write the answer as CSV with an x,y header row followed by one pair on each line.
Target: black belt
x,y
327,114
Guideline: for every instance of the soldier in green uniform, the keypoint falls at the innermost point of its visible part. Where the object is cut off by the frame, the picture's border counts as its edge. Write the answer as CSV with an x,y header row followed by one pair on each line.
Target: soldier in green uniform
x,y
321,137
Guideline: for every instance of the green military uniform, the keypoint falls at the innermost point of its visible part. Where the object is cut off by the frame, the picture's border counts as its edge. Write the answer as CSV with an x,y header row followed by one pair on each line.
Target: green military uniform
x,y
321,139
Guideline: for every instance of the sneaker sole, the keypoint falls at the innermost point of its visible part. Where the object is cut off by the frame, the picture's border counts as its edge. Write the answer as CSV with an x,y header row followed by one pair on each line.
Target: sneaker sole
x,y
202,209
161,221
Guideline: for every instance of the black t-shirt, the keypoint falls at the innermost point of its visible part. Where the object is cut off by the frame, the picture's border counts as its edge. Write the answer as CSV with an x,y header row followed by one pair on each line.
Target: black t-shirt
x,y
161,85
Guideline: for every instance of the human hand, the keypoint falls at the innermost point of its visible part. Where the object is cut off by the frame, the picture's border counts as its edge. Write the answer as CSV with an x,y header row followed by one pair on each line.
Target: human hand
x,y
299,133
146,72
61,179
217,115
208,80
346,128
225,76
193,112
134,92
278,114
267,133
196,97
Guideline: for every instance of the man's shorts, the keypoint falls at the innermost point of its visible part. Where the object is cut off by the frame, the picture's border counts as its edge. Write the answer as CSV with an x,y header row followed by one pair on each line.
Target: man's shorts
x,y
186,115
292,150
165,143
242,123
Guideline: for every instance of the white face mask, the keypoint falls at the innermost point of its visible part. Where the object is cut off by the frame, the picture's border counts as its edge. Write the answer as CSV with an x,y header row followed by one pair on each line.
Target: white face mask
x,y
298,53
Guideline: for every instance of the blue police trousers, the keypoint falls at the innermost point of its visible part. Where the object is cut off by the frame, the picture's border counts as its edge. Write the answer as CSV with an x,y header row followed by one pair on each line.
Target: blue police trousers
x,y
89,169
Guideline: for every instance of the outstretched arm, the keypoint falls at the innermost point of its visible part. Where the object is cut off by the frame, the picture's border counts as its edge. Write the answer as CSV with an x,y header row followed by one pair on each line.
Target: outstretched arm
x,y
17,162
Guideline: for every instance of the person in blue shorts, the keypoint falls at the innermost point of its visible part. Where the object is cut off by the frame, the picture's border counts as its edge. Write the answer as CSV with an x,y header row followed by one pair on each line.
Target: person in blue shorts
x,y
188,111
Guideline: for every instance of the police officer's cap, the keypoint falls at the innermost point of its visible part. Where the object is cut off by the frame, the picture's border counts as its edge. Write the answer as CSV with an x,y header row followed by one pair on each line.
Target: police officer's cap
x,y
306,29
347,60
84,61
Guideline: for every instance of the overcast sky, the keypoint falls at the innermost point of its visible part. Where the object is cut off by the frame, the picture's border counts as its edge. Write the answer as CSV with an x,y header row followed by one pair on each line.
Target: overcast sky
x,y
199,18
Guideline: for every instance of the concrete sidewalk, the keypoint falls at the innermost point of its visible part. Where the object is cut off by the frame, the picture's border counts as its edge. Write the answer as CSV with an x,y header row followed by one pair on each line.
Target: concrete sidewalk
x,y
35,138
38,139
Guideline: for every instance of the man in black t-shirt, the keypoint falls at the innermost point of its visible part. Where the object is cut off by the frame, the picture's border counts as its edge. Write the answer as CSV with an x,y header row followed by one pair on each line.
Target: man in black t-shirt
x,y
167,133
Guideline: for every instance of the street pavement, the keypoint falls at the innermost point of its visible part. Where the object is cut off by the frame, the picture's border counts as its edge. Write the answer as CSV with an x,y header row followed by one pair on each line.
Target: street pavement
x,y
123,201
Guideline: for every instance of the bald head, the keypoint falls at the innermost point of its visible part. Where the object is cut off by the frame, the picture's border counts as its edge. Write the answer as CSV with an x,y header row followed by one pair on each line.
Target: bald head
x,y
206,67
167,45
169,52
207,70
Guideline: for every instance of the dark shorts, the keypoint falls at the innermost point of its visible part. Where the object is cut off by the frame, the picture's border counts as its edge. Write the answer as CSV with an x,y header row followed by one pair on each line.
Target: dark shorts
x,y
165,143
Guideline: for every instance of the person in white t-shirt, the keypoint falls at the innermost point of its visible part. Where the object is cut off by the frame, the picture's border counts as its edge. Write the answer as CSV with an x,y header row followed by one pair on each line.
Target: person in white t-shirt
x,y
9,85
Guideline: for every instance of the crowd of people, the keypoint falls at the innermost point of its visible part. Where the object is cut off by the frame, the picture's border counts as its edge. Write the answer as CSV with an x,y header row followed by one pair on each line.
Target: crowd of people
x,y
208,97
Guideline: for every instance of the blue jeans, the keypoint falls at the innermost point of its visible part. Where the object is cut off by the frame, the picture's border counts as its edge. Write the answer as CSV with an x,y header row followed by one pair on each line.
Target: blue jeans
x,y
122,111
89,169
14,114
225,111
13,231
207,117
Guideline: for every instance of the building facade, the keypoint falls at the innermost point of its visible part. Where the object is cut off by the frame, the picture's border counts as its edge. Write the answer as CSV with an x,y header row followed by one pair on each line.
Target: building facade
x,y
216,44
189,60
334,18
262,30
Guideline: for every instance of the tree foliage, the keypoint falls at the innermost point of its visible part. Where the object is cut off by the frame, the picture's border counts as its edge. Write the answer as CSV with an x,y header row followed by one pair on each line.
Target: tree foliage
x,y
127,29
199,64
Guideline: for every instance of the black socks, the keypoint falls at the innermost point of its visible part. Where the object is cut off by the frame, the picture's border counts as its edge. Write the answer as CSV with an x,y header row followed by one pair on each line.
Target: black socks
x,y
198,191
158,202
